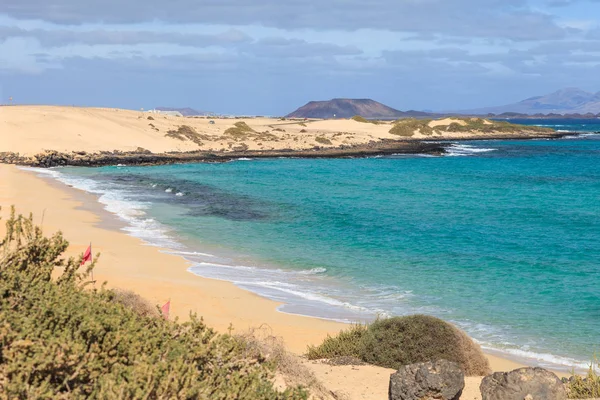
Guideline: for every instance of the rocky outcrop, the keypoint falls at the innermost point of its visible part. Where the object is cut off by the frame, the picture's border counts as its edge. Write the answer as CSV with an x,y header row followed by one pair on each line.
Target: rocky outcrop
x,y
523,384
142,156
440,380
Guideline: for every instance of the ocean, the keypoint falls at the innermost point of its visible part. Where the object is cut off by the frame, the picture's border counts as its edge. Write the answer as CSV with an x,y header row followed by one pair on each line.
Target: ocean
x,y
500,237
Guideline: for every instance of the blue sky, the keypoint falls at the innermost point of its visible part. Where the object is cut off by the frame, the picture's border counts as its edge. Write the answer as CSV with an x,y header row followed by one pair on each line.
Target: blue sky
x,y
272,56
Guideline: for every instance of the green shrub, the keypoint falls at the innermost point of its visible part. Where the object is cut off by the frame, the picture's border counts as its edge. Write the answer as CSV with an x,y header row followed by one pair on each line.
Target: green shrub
x,y
358,118
394,342
398,341
240,130
480,125
346,344
185,132
407,127
323,140
61,339
587,387
402,130
135,302
456,127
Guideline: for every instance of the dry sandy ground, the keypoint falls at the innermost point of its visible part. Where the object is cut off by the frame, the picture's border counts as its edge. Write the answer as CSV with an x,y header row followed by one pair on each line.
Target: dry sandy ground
x,y
31,130
126,262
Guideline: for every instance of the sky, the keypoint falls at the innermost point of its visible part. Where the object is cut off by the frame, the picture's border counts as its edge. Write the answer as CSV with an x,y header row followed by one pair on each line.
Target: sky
x,y
268,57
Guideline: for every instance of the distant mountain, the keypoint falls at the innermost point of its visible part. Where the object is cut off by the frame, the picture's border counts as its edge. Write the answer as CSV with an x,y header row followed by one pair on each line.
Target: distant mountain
x,y
565,101
347,108
186,112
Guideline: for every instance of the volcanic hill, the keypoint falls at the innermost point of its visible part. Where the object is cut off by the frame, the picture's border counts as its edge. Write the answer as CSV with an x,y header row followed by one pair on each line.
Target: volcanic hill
x,y
347,108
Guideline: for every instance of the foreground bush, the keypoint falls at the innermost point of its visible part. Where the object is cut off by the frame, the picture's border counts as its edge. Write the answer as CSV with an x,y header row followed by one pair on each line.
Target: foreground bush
x,y
135,302
579,387
59,340
398,341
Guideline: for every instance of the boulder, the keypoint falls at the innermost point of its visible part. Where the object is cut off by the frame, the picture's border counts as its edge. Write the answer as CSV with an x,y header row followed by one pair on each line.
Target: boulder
x,y
523,383
440,380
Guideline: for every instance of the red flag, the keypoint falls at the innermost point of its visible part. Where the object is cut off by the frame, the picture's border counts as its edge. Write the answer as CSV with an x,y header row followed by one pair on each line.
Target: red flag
x,y
165,309
87,256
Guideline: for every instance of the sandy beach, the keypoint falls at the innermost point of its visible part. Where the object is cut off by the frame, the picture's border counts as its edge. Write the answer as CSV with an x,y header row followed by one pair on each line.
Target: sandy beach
x,y
127,263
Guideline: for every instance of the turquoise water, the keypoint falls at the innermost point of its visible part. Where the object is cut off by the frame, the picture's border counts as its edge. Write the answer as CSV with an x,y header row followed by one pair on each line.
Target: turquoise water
x,y
500,237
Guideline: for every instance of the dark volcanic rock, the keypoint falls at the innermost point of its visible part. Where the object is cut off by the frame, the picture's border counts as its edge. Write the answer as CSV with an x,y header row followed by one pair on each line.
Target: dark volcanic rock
x,y
523,383
142,156
440,380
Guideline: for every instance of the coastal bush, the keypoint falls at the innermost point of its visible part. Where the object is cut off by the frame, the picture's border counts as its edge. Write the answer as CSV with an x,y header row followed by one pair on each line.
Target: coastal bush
x,y
398,341
588,387
456,127
480,125
347,343
290,367
323,140
394,342
185,132
358,118
61,339
240,130
408,127
135,302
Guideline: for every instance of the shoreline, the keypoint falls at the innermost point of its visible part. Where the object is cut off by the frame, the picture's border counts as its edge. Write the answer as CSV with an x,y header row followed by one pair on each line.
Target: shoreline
x,y
105,220
150,271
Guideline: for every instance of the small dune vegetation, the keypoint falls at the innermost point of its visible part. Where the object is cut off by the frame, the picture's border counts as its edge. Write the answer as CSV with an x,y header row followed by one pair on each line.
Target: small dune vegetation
x,y
185,132
242,131
411,126
323,140
585,387
398,341
61,338
239,129
363,120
